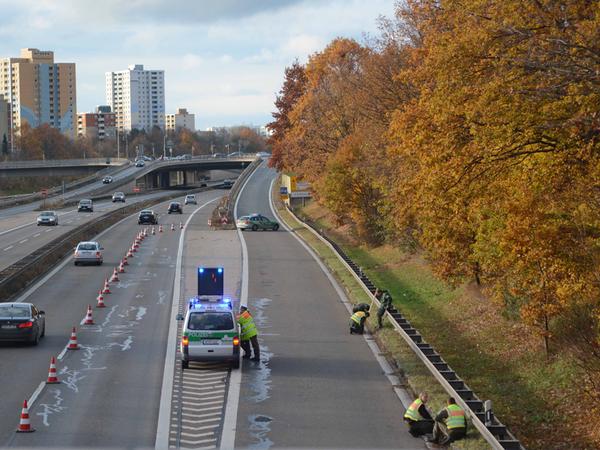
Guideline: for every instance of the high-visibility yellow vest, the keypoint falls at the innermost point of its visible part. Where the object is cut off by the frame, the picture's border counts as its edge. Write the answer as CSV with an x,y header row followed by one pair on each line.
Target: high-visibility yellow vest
x,y
456,417
247,326
357,316
412,412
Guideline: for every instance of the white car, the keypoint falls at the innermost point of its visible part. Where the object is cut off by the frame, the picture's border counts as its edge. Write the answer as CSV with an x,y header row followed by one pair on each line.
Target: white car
x,y
88,252
47,218
118,197
190,198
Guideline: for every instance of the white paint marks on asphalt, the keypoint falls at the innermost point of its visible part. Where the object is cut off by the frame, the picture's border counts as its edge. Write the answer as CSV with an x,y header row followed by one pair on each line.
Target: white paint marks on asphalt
x,y
162,296
49,409
8,248
141,312
23,241
71,379
48,231
36,235
166,395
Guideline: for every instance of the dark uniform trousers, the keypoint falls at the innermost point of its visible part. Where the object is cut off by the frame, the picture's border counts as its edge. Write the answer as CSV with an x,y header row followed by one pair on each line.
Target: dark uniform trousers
x,y
420,427
245,344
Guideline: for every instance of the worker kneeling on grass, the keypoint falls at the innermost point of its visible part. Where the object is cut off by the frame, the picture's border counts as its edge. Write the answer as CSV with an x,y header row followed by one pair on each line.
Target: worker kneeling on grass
x,y
450,424
357,322
417,417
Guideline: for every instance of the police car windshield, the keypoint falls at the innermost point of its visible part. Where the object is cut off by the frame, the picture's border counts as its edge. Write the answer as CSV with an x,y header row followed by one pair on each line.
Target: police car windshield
x,y
214,321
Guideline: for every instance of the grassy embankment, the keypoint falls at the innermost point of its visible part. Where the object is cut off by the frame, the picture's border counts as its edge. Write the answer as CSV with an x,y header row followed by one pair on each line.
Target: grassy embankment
x,y
499,358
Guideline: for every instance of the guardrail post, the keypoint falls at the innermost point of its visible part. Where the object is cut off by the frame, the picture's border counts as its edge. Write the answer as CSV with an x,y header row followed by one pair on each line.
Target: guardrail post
x,y
489,414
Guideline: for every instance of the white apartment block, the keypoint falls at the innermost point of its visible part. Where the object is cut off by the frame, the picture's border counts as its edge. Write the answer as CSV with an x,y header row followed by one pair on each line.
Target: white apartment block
x,y
181,119
137,97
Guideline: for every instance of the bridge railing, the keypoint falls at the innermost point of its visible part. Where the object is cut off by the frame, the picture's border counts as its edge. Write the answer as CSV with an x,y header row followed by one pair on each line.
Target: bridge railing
x,y
7,165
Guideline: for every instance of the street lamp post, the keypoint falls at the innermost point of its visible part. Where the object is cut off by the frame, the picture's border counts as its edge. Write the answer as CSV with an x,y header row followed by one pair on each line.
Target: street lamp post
x,y
165,146
118,145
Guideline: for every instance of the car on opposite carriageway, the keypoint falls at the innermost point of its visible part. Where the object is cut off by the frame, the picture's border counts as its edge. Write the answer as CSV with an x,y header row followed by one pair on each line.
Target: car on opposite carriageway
x,y
85,204
118,197
147,216
47,218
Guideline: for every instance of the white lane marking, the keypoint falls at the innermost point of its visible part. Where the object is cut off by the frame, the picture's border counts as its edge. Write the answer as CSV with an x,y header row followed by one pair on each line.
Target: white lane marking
x,y
31,223
48,231
23,241
36,235
164,414
235,381
35,394
8,248
62,354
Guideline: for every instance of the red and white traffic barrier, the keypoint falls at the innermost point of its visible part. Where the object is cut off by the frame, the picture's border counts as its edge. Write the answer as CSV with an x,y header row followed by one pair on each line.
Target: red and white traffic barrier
x,y
52,378
115,277
73,345
172,227
106,288
121,267
24,423
125,262
160,230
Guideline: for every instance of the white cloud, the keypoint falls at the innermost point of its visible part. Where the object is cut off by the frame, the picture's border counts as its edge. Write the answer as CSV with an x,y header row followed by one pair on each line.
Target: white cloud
x,y
223,60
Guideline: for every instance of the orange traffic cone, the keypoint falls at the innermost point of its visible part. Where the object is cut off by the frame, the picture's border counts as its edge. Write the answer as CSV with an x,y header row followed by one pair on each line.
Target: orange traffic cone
x,y
100,301
153,231
73,345
181,225
88,316
121,267
160,228
172,227
52,378
24,424
115,277
129,253
106,289
146,232
125,263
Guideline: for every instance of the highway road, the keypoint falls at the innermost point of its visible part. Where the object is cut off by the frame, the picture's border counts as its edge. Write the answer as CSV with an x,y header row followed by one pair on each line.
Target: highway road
x,y
317,386
20,235
111,387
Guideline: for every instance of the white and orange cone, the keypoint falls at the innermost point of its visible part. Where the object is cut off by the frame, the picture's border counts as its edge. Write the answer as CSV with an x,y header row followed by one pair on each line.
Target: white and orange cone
x,y
153,231
52,378
160,228
73,345
181,225
172,227
115,277
133,248
125,263
100,300
146,232
106,288
24,424
88,316
121,267
129,253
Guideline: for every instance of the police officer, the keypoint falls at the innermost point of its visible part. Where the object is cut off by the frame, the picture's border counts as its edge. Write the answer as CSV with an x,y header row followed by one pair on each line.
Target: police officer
x,y
450,424
386,303
357,321
417,417
249,334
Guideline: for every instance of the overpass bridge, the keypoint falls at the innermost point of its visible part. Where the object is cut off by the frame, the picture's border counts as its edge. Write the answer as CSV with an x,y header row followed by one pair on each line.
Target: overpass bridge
x,y
58,167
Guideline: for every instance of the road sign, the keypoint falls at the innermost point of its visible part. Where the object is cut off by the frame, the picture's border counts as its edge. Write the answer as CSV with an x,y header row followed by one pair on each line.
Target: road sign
x,y
283,190
300,194
44,193
136,189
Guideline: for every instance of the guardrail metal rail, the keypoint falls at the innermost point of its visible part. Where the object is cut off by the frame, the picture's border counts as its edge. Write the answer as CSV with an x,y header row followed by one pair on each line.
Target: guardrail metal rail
x,y
492,430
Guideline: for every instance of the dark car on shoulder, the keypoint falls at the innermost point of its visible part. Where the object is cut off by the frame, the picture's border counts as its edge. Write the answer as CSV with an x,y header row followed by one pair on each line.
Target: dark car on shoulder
x,y
175,207
147,216
21,322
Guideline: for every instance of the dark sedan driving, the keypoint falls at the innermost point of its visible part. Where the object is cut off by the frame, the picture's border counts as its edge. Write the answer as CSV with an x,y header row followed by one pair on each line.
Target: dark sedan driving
x,y
21,322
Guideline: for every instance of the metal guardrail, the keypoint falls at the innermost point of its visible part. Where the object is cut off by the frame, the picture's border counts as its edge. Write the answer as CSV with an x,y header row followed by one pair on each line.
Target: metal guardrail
x,y
491,429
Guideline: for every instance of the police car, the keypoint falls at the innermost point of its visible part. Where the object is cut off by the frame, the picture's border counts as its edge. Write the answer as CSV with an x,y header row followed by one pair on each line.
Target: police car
x,y
210,332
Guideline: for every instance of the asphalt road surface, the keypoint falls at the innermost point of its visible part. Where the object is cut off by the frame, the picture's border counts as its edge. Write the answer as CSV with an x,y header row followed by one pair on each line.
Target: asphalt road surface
x,y
317,386
110,389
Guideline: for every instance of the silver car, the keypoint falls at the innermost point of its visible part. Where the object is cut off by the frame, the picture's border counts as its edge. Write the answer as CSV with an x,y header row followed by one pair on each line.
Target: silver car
x,y
47,218
118,197
190,199
88,252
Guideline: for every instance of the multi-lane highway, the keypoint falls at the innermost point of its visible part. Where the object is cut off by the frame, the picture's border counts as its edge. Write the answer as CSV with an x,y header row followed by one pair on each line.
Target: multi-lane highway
x,y
316,386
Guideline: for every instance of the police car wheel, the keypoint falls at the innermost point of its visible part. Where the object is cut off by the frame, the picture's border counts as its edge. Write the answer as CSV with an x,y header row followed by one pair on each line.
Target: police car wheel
x,y
185,364
235,364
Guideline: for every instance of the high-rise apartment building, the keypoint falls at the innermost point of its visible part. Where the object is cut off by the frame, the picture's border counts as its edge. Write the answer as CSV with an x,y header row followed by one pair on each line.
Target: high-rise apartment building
x,y
100,125
39,91
137,97
4,122
181,119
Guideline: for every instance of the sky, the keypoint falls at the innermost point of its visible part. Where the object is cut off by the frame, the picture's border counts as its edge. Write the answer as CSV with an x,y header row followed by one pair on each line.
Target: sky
x,y
223,59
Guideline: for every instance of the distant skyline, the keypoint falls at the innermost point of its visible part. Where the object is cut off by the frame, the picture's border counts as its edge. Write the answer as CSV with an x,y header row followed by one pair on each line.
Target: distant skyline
x,y
223,60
